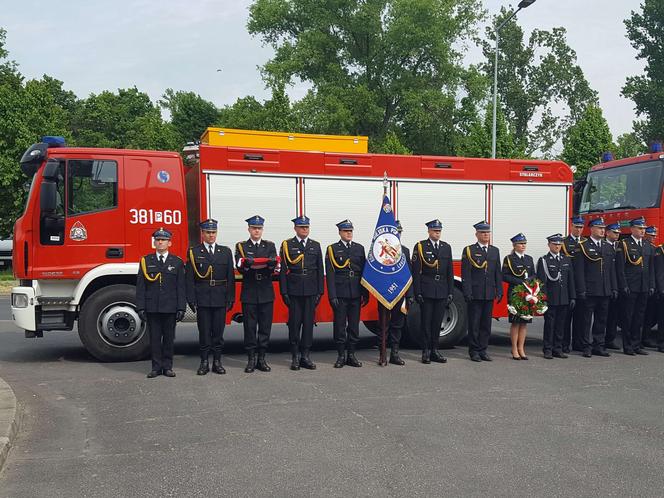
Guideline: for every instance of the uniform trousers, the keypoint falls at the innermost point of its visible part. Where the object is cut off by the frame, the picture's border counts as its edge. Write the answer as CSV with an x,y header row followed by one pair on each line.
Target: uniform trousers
x,y
574,327
161,327
480,312
257,324
347,323
612,318
211,322
396,325
301,322
554,325
660,322
433,311
594,323
634,308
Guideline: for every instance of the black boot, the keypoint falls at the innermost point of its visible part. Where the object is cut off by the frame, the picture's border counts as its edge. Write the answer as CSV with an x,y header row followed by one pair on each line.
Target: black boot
x,y
217,367
351,361
305,361
437,357
262,364
295,360
203,368
341,357
251,362
426,356
395,359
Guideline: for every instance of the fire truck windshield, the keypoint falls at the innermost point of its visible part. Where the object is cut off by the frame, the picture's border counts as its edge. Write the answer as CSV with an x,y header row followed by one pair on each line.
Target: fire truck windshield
x,y
632,186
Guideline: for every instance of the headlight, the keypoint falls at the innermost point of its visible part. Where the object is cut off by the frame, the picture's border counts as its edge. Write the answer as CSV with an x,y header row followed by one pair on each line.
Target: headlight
x,y
19,300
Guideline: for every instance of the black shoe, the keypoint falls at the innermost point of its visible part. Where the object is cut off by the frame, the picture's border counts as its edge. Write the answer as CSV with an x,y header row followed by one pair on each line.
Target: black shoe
x,y
605,354
660,350
352,361
305,361
475,357
560,355
548,355
169,373
648,344
566,350
251,363
587,355
612,345
642,352
261,364
218,368
437,357
486,357
629,353
515,357
295,362
153,374
341,361
395,359
204,368
523,357
426,356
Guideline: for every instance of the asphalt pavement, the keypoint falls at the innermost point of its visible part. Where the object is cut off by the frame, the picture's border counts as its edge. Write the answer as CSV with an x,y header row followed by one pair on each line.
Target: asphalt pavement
x,y
574,427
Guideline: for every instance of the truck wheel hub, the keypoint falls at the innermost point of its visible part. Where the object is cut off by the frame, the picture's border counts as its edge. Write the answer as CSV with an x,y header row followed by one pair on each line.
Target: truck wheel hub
x,y
119,325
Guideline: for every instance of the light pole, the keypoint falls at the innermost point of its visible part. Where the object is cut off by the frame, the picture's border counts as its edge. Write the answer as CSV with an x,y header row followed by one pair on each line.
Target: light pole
x,y
522,5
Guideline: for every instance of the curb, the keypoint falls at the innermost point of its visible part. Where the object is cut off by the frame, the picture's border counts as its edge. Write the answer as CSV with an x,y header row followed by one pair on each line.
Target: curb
x,y
8,420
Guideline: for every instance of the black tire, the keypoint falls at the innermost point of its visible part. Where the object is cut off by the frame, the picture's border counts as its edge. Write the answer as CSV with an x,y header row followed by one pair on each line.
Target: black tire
x,y
454,326
109,327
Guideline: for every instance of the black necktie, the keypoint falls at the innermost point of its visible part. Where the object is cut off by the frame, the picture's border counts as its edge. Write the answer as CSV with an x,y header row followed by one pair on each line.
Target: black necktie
x,y
484,250
161,259
436,246
347,245
302,244
211,250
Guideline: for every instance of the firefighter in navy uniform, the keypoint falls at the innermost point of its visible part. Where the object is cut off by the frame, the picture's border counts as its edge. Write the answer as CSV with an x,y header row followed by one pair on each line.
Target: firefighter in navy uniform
x,y
482,282
344,262
595,282
301,287
433,286
659,283
161,300
555,272
636,282
257,293
613,317
574,320
650,315
397,315
210,294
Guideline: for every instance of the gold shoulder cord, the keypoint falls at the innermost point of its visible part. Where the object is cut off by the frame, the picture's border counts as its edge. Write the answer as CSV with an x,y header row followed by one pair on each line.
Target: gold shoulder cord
x,y
636,262
595,260
145,272
330,254
473,262
299,259
421,253
565,251
509,263
240,250
208,273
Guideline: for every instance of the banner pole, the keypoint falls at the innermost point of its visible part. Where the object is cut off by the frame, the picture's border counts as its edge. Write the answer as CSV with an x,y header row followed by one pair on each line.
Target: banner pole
x,y
383,314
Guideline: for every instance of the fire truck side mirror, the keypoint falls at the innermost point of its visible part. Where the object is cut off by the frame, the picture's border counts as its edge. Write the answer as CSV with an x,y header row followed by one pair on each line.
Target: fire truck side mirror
x,y
48,196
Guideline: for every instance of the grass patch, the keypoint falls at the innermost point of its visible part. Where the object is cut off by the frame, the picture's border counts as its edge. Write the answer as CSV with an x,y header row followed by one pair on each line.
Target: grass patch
x,y
6,286
6,275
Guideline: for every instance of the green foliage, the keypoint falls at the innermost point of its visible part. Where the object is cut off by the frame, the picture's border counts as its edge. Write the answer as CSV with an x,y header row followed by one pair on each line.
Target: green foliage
x,y
191,115
644,29
628,145
586,140
536,78
477,142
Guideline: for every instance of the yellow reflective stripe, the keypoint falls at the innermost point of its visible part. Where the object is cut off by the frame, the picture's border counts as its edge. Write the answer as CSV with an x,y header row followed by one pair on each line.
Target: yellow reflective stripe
x,y
421,252
145,272
330,254
208,273
473,262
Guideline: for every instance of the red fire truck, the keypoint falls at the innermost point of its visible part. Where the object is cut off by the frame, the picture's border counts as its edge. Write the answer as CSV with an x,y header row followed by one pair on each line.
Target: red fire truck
x,y
90,214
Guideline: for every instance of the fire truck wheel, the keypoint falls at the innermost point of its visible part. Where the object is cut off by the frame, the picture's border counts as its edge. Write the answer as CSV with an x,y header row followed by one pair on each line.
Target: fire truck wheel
x,y
453,329
109,326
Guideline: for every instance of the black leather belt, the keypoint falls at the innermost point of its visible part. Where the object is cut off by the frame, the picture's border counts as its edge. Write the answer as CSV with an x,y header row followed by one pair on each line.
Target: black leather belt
x,y
213,283
260,276
436,276
349,274
301,271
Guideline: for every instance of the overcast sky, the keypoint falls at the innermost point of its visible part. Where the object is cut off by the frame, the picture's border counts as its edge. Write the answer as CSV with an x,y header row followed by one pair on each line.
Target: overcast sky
x,y
159,44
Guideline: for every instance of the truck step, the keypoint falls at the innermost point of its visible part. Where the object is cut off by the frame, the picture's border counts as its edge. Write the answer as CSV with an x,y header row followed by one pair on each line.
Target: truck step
x,y
54,300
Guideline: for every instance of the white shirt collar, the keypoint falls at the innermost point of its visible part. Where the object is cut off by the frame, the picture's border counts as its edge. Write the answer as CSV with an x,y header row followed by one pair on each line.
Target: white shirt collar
x,y
165,255
208,246
596,241
257,242
434,242
637,240
302,240
554,255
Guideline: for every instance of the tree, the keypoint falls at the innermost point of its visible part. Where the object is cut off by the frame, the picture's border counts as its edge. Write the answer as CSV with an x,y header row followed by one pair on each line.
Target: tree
x,y
586,140
275,114
644,29
628,145
535,79
190,113
477,143
375,66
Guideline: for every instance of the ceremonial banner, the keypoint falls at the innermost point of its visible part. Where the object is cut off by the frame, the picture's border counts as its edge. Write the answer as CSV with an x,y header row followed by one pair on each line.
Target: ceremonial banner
x,y
386,274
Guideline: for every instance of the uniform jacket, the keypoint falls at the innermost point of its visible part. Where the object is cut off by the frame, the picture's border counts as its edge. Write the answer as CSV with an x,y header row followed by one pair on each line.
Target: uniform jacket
x,y
343,271
659,268
569,246
163,289
256,284
433,275
557,277
635,268
517,270
301,276
594,269
481,281
210,279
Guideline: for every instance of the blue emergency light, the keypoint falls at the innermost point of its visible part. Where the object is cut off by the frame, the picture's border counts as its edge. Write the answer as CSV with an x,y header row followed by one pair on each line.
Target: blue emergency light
x,y
606,157
53,141
656,147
